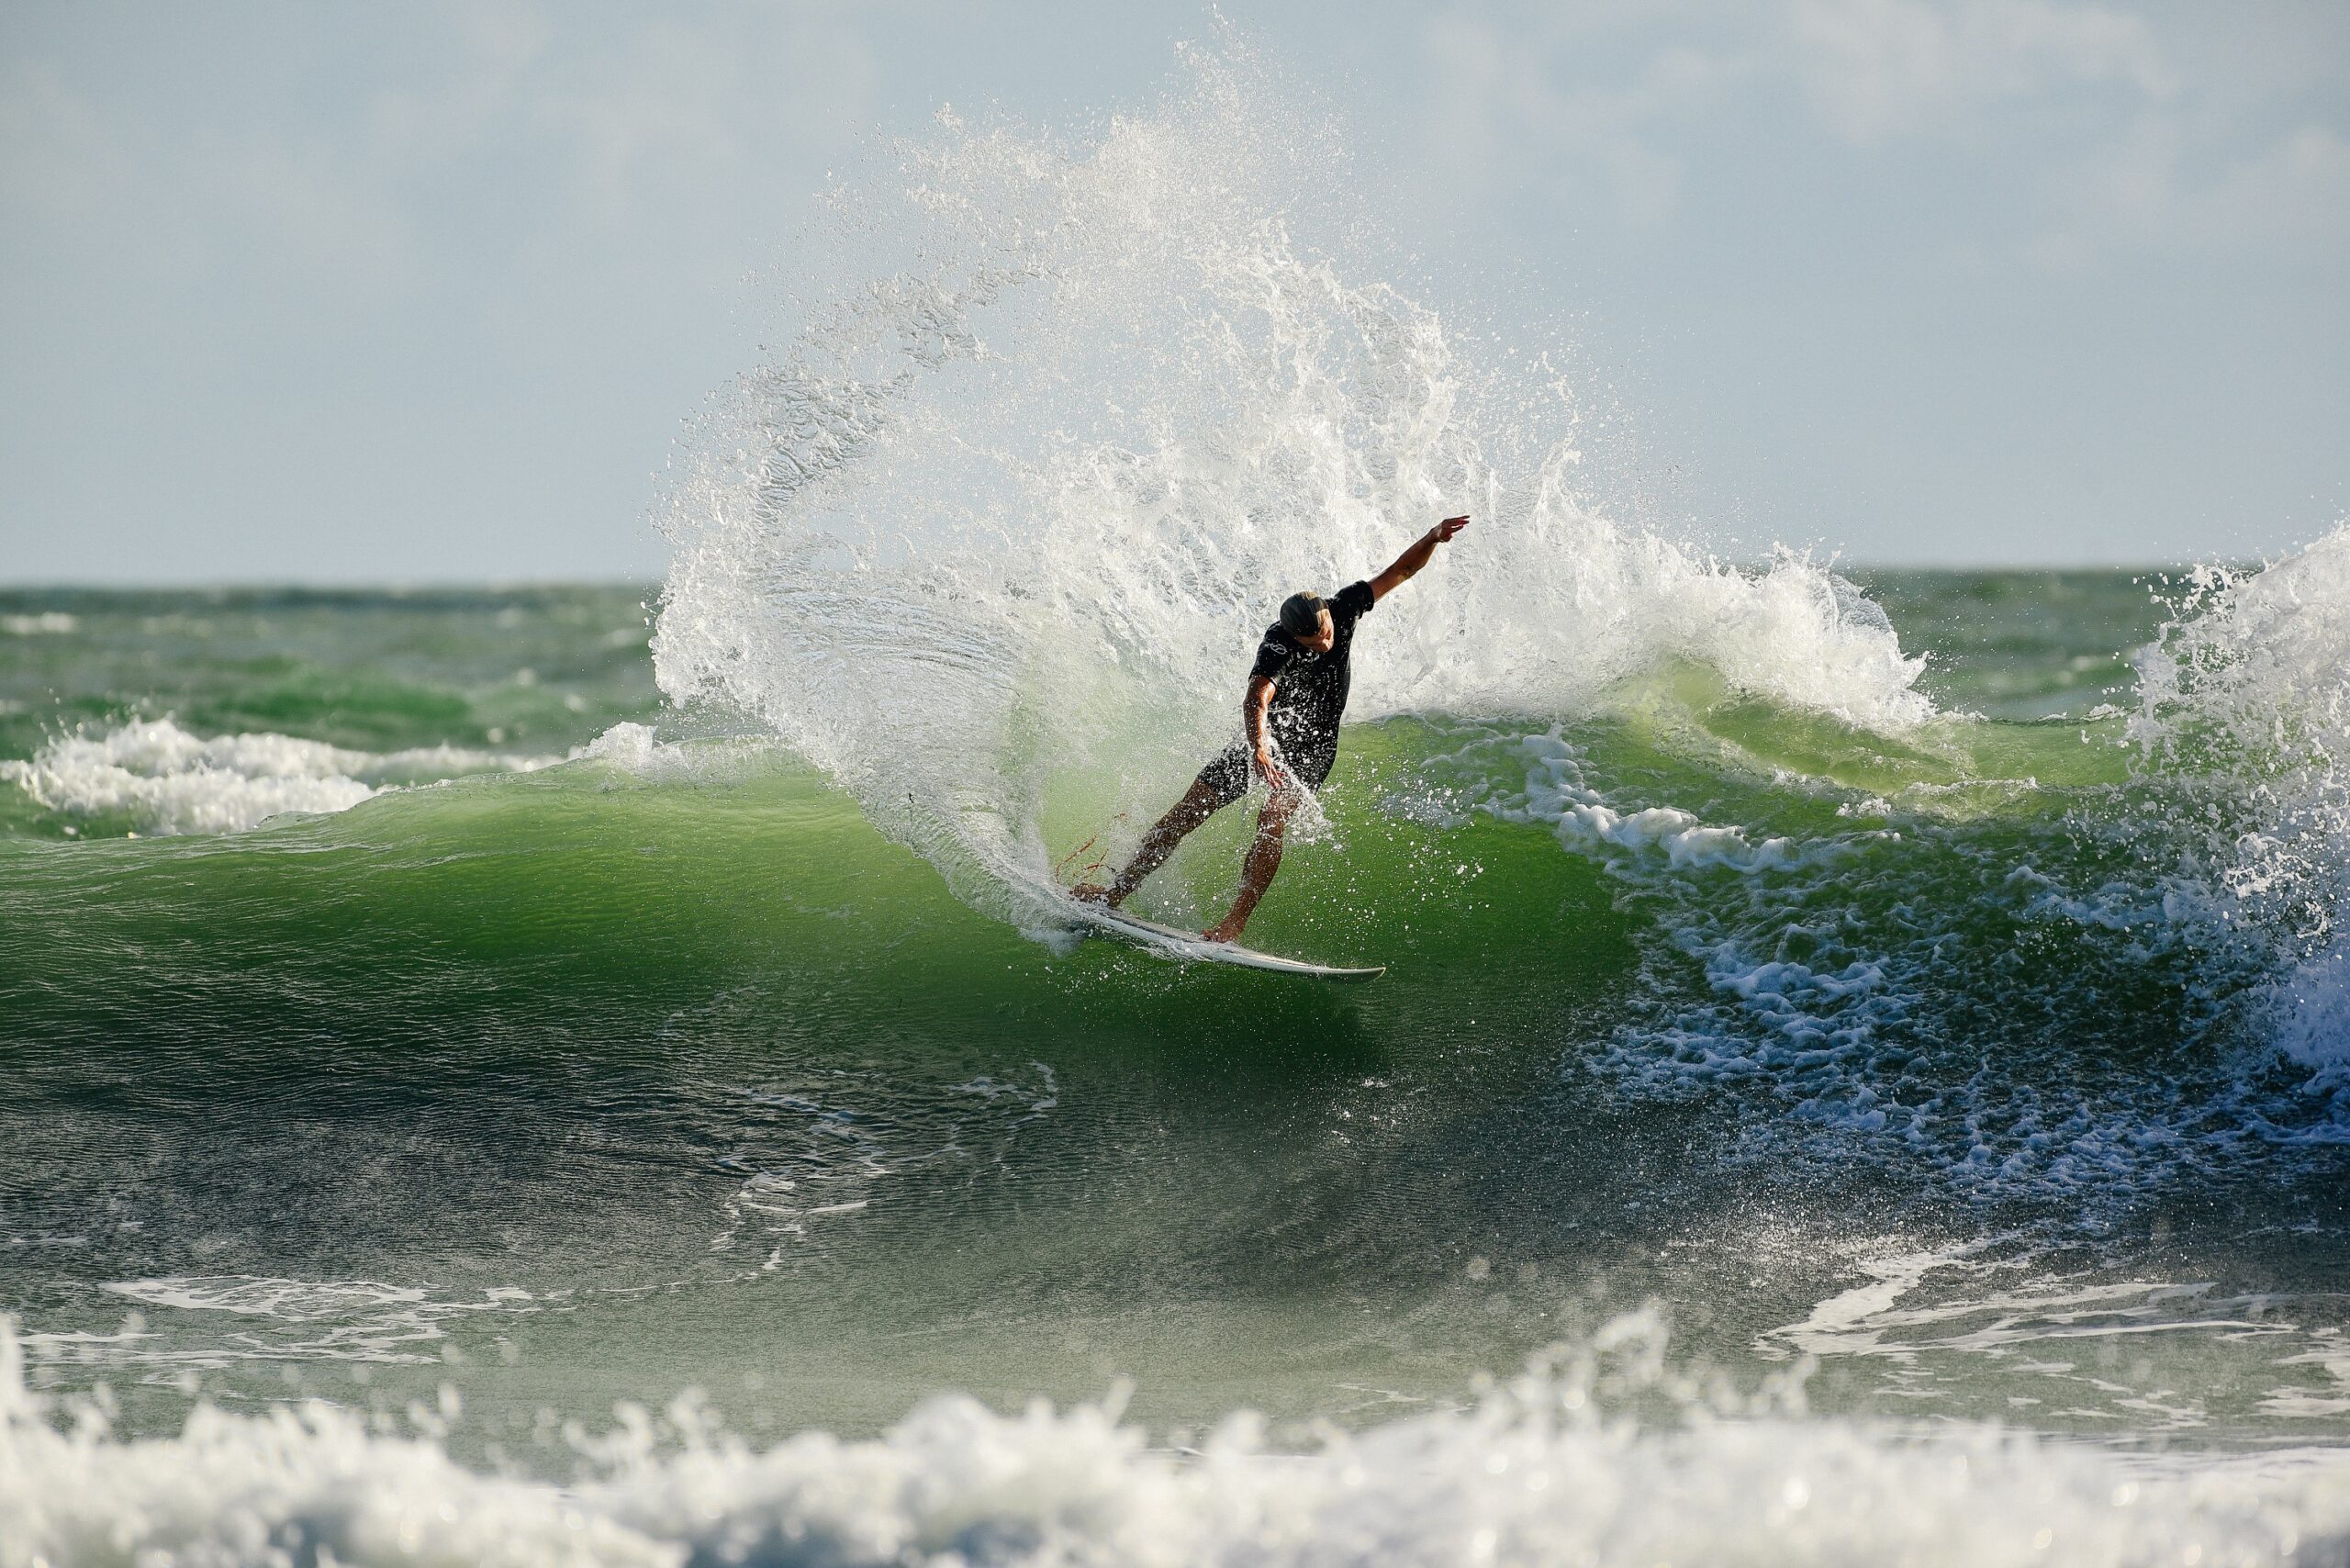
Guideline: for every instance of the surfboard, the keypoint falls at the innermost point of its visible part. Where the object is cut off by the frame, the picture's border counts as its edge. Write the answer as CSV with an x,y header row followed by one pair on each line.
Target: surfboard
x,y
1189,946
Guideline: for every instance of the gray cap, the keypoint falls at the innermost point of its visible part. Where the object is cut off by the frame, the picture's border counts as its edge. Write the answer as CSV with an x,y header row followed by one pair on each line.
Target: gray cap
x,y
1302,614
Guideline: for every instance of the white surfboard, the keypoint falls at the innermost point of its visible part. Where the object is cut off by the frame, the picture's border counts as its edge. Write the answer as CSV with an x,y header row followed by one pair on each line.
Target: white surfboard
x,y
1190,947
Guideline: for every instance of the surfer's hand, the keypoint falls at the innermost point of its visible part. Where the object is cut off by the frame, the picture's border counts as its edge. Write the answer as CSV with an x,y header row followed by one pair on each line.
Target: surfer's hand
x,y
1267,769
1443,532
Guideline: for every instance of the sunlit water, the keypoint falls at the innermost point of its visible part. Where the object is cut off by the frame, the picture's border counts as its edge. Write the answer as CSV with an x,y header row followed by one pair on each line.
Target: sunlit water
x,y
1860,1077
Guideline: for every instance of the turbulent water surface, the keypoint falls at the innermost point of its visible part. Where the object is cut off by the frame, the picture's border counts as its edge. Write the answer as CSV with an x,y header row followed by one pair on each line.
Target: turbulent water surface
x,y
1863,1072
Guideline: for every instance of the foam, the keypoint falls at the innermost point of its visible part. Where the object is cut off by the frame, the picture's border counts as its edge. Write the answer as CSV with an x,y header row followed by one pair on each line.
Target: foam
x,y
1686,842
48,623
1809,981
1552,1468
2245,715
256,1296
639,752
271,1319
2311,1007
2224,865
165,780
632,748
1071,415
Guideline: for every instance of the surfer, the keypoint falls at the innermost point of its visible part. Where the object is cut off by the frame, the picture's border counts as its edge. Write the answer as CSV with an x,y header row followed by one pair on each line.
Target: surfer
x,y
1297,690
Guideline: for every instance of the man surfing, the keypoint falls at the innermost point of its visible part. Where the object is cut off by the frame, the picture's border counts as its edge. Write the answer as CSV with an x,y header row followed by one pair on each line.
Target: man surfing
x,y
1297,692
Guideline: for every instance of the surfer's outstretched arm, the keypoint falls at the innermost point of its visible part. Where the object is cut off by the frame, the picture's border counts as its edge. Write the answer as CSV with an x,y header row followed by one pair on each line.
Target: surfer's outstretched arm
x,y
1421,551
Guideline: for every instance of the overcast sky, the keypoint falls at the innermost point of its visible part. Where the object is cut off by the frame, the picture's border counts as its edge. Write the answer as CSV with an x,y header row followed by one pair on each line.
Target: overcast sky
x,y
423,292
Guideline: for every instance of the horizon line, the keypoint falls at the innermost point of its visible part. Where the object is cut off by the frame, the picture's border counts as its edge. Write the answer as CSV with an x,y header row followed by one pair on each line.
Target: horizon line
x,y
523,585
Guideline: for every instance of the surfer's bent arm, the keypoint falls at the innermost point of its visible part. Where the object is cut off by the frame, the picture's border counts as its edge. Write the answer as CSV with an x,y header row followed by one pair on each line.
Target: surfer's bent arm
x,y
1254,711
1416,556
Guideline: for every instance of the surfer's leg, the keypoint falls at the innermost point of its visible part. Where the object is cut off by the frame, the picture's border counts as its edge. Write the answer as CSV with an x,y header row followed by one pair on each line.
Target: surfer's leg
x,y
1200,803
1256,874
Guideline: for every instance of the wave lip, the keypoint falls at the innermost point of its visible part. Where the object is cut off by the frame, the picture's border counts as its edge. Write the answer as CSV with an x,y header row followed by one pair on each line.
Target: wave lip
x,y
167,780
1070,415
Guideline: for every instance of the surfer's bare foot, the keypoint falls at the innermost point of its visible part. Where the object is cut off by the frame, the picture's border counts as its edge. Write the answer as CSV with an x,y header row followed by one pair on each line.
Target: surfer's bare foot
x,y
1094,892
1228,929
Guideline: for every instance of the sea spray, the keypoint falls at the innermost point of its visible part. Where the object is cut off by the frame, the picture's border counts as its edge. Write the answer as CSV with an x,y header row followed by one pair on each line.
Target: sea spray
x,y
2244,716
989,541
1001,524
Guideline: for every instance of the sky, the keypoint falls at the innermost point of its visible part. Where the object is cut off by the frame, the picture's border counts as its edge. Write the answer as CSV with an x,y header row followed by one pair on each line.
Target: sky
x,y
425,291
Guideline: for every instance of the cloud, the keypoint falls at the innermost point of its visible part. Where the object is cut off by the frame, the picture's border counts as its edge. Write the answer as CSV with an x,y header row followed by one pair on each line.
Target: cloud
x,y
679,101
297,208
2295,192
654,126
2162,188
59,158
1878,68
82,179
1515,97
1612,101
2105,130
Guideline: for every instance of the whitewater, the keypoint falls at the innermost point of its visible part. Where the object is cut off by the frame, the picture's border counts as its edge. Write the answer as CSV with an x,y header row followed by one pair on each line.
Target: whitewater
x,y
594,1074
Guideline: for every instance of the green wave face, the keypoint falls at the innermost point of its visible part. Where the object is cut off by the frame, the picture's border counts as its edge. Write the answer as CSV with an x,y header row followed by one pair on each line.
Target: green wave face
x,y
663,1064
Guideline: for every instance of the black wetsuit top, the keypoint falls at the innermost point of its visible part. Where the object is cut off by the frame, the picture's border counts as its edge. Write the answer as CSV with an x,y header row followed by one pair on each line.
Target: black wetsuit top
x,y
1309,699
1309,688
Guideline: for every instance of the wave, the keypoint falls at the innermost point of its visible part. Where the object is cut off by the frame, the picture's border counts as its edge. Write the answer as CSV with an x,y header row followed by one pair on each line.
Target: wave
x,y
1599,1454
989,541
2245,708
159,778
998,532
1994,982
45,622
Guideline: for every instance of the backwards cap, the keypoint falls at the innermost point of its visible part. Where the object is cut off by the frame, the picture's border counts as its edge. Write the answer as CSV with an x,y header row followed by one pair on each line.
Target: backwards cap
x,y
1302,614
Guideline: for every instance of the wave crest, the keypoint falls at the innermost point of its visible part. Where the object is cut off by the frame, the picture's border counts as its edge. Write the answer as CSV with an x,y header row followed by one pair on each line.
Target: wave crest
x,y
163,779
1076,414
2245,711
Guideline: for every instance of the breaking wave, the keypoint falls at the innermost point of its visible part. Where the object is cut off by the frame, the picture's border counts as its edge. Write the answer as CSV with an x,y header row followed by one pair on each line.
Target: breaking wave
x,y
1602,1453
161,780
998,528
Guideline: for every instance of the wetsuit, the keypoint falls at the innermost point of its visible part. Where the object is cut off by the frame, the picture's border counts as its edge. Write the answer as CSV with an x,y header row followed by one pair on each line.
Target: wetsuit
x,y
1309,697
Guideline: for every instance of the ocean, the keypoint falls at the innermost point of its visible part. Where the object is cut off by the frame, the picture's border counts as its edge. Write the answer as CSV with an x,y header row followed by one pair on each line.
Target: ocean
x,y
596,1074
